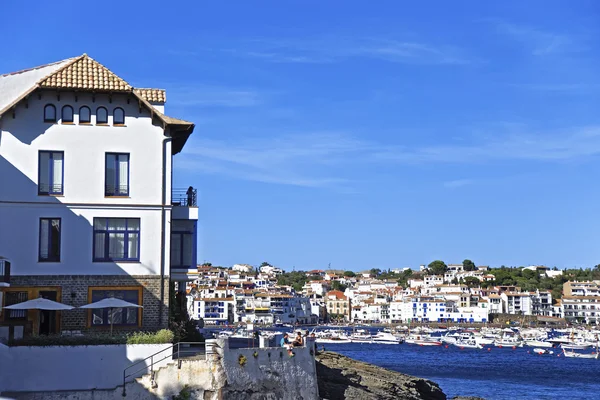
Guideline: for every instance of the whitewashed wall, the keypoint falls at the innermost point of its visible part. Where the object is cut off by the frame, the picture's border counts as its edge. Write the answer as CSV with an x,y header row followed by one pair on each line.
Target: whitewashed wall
x,y
34,369
84,164
85,148
20,242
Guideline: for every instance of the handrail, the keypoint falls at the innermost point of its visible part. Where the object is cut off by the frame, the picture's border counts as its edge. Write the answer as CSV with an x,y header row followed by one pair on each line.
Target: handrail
x,y
153,361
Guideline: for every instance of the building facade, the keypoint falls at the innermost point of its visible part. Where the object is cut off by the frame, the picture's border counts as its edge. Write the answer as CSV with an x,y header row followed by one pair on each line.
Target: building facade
x,y
89,210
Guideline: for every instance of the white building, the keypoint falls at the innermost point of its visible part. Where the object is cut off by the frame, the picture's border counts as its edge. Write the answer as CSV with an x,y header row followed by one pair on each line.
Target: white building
x,y
214,311
581,301
244,268
432,280
517,303
88,210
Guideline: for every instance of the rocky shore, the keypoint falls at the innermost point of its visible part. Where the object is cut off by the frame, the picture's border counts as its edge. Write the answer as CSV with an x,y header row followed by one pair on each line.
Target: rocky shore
x,y
343,378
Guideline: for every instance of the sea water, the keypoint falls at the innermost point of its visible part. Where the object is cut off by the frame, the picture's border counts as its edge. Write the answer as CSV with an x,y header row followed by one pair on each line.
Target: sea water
x,y
497,374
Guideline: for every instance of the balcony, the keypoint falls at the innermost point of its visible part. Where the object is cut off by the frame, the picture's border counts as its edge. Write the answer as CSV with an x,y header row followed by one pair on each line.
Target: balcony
x,y
185,203
4,272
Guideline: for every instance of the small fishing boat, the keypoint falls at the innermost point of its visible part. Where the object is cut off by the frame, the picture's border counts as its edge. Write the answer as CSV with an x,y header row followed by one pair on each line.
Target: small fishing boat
x,y
574,354
541,351
422,340
576,346
386,338
468,344
538,343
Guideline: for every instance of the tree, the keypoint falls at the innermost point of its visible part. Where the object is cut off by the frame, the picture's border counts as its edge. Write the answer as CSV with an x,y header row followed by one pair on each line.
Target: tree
x,y
404,276
265,264
206,264
336,285
375,271
349,274
471,281
295,279
469,265
529,274
437,267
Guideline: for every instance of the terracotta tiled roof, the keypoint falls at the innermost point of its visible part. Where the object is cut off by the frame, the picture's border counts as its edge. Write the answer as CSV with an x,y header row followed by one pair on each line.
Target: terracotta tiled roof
x,y
85,73
152,95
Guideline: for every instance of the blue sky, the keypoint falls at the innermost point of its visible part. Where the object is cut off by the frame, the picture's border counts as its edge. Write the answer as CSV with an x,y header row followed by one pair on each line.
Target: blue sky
x,y
363,134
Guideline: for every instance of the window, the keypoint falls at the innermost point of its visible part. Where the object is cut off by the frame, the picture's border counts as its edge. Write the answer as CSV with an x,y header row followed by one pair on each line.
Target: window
x,y
101,115
118,116
117,175
67,114
50,172
116,239
118,316
181,249
49,113
85,115
49,250
15,298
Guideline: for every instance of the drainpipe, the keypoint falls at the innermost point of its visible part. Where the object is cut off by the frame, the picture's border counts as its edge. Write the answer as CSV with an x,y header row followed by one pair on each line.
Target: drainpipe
x,y
163,228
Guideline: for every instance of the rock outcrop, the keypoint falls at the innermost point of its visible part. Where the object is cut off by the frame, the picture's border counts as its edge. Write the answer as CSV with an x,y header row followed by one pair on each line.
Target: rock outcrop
x,y
340,377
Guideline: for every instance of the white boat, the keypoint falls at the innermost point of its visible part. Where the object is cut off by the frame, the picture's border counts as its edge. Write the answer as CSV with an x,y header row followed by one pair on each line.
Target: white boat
x,y
422,340
509,340
576,346
468,344
573,354
361,336
385,338
333,340
538,343
332,336
542,351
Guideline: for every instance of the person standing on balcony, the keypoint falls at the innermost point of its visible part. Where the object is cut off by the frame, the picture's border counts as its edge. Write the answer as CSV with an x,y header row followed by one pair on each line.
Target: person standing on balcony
x,y
190,196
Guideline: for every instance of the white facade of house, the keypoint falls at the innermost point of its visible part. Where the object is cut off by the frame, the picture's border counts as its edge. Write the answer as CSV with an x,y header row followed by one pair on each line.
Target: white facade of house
x,y
88,211
214,311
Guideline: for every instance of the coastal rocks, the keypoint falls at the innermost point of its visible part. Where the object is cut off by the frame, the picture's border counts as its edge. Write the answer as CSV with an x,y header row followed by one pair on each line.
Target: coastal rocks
x,y
340,377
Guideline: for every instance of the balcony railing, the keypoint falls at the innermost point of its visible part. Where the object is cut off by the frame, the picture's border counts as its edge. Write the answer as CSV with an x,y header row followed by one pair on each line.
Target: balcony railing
x,y
184,197
4,271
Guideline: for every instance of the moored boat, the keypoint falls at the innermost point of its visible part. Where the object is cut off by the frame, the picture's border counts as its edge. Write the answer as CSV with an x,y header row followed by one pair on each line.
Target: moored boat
x,y
468,344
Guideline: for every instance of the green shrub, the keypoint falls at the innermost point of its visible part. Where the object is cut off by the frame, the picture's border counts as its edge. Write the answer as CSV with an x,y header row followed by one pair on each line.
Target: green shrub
x,y
162,336
93,339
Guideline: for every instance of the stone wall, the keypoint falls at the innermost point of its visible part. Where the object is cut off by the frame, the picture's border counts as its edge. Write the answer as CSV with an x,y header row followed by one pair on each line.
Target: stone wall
x,y
265,373
74,292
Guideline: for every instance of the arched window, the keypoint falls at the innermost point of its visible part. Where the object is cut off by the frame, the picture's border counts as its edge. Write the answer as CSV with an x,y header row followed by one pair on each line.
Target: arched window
x,y
49,113
118,116
66,114
85,115
101,115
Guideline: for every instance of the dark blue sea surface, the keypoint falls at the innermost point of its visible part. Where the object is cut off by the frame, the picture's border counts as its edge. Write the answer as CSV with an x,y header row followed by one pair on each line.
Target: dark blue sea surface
x,y
497,374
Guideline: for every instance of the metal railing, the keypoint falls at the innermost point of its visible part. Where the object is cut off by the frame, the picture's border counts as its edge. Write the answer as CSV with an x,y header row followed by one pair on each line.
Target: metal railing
x,y
5,271
184,197
174,352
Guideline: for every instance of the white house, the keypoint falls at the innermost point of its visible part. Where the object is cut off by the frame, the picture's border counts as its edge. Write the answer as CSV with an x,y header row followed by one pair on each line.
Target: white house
x,y
244,268
88,209
214,311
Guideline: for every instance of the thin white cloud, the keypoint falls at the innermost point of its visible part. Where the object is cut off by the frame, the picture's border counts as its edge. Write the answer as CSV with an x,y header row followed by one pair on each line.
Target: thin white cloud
x,y
327,50
540,42
558,87
213,96
328,160
457,183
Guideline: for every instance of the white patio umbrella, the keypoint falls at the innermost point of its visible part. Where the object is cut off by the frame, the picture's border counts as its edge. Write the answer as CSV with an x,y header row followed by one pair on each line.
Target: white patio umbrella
x,y
39,304
111,303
